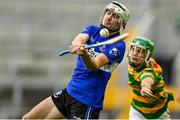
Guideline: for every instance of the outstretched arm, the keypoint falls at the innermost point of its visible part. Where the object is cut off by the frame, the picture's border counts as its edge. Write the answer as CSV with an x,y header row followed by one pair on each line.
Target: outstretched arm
x,y
146,86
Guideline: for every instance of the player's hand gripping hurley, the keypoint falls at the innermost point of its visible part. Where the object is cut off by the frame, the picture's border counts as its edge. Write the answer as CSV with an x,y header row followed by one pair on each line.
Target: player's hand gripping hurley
x,y
152,96
111,41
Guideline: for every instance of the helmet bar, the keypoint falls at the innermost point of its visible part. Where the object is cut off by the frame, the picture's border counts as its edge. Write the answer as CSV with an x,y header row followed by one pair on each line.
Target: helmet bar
x,y
135,47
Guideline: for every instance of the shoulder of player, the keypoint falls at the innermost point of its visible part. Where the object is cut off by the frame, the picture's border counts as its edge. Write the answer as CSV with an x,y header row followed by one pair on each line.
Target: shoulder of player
x,y
94,27
153,66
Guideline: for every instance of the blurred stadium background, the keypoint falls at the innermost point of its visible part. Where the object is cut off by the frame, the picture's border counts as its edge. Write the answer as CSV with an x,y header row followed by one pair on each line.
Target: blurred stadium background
x,y
32,32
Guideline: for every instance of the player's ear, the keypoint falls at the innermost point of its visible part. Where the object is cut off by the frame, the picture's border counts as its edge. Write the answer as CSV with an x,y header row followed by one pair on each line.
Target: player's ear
x,y
123,25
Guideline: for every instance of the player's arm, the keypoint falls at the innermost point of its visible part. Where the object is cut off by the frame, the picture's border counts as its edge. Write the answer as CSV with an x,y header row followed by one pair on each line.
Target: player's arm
x,y
95,63
92,63
78,41
77,48
146,85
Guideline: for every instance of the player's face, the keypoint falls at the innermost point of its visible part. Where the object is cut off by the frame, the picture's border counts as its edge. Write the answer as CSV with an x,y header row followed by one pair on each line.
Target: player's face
x,y
136,55
110,20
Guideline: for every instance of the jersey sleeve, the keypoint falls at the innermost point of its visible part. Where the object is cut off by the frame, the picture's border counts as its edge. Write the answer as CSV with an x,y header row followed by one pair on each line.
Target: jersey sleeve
x,y
147,74
153,71
115,52
88,30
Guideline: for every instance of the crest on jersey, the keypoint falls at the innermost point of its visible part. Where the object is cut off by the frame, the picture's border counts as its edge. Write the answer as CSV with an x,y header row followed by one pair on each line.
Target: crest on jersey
x,y
114,52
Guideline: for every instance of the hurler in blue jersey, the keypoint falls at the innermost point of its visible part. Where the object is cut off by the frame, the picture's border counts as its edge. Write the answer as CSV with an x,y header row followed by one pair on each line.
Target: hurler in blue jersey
x,y
89,86
83,97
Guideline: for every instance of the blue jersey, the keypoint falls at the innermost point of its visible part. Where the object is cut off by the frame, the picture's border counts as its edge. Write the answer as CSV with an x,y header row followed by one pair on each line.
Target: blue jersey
x,y
89,86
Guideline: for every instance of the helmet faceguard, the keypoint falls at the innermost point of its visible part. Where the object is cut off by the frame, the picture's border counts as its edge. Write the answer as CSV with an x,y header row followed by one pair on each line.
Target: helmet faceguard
x,y
140,51
120,10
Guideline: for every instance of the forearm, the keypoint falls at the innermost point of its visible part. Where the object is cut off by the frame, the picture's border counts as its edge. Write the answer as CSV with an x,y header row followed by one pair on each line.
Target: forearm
x,y
146,85
148,82
89,62
78,41
96,62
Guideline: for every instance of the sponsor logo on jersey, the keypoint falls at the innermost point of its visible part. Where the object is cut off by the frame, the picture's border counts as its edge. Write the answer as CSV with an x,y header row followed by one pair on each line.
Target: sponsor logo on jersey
x,y
155,65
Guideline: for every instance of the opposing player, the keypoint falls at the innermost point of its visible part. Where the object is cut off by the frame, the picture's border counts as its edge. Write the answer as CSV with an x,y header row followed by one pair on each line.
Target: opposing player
x,y
83,97
145,77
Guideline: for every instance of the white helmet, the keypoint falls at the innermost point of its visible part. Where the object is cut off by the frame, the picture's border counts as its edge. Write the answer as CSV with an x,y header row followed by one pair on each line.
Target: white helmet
x,y
120,10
